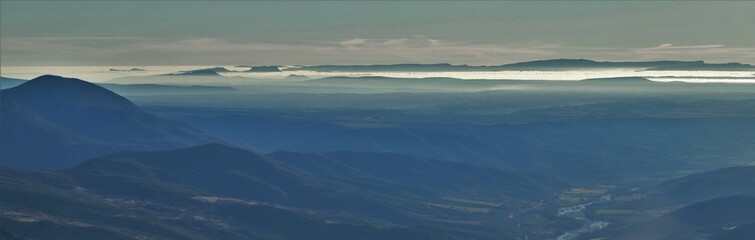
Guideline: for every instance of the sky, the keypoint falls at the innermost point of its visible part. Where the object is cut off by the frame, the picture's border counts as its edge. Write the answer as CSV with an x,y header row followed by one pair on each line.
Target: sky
x,y
144,33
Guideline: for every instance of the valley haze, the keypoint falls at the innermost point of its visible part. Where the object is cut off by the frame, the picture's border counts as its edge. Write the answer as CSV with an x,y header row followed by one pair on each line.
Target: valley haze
x,y
377,120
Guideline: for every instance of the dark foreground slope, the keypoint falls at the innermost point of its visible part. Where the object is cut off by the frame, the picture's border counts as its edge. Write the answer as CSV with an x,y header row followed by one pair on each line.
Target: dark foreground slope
x,y
721,218
713,184
718,204
53,206
214,191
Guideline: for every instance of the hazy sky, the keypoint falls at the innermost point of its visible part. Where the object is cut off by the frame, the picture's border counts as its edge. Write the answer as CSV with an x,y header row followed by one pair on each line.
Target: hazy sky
x,y
230,33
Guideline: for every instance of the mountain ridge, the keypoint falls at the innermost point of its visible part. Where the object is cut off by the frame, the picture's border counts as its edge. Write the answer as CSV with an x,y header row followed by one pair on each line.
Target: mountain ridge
x,y
92,112
547,64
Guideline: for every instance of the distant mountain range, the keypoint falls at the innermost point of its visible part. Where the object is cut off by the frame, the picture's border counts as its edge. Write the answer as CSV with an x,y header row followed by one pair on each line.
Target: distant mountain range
x,y
200,72
264,69
138,89
205,76
553,64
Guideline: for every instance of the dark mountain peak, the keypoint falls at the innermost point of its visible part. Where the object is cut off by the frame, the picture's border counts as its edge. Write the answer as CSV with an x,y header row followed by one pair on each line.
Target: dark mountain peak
x,y
264,69
215,69
203,72
200,72
52,90
96,113
56,80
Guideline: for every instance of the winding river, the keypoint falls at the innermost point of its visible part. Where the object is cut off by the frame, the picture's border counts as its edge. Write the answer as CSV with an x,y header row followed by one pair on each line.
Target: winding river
x,y
577,212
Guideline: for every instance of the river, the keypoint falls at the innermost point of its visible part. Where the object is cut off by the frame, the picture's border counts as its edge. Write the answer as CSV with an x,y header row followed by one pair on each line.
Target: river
x,y
577,212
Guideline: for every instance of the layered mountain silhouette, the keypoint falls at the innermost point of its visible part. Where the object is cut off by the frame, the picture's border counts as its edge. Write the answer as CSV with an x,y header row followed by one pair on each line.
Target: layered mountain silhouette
x,y
257,196
384,68
94,201
586,63
294,179
84,114
453,177
212,168
205,76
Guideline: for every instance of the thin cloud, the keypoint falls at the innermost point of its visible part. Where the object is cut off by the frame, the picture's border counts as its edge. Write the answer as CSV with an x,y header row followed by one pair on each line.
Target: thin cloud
x,y
711,52
669,46
419,49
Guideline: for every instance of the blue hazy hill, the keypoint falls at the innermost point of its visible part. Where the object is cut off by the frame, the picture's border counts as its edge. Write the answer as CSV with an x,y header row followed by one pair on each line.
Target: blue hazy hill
x,y
230,183
95,113
6,83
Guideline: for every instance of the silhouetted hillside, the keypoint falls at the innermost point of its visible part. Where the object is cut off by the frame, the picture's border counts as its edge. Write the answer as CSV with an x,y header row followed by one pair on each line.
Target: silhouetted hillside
x,y
66,205
712,184
30,141
712,219
223,171
91,112
412,171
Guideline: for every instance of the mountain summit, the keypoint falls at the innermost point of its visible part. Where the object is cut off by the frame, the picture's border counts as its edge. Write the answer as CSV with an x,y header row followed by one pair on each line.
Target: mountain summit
x,y
86,111
55,93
